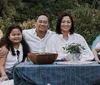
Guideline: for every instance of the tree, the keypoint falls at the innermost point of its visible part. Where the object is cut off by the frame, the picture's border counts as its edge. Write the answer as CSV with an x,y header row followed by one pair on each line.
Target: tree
x,y
87,22
8,11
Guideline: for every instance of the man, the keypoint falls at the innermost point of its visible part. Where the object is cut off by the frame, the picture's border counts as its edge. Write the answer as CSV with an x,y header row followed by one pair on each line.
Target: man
x,y
36,38
3,51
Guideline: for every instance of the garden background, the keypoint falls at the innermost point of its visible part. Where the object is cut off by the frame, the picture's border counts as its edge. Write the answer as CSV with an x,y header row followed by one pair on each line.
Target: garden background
x,y
86,14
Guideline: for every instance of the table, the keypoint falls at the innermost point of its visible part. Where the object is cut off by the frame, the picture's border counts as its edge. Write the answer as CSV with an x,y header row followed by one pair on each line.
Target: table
x,y
30,74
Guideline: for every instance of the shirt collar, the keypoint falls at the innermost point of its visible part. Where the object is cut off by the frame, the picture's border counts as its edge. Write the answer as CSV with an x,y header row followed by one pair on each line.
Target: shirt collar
x,y
68,35
19,48
35,33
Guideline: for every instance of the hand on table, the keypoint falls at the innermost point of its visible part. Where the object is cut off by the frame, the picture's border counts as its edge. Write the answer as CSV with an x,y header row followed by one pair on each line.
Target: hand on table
x,y
67,58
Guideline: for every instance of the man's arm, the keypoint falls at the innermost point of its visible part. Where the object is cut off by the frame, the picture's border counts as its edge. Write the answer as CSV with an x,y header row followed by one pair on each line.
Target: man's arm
x,y
3,51
3,75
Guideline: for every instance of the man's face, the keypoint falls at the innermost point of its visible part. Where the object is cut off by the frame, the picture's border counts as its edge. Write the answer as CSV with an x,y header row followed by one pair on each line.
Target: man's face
x,y
42,24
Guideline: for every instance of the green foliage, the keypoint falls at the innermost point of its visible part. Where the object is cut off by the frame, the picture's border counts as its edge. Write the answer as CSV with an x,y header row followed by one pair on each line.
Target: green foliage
x,y
5,23
7,12
74,48
8,8
28,24
86,14
52,7
87,22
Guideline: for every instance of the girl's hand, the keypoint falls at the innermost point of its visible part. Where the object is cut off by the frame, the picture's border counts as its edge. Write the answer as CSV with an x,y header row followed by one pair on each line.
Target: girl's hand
x,y
3,78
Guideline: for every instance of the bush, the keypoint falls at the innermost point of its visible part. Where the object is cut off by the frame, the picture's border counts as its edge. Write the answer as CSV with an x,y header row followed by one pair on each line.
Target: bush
x,y
5,23
87,22
28,24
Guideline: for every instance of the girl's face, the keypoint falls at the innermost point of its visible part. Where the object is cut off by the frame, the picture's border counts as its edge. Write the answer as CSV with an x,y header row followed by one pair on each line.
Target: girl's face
x,y
66,24
15,36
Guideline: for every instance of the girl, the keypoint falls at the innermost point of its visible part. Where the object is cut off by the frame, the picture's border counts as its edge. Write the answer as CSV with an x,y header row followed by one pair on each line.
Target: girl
x,y
17,51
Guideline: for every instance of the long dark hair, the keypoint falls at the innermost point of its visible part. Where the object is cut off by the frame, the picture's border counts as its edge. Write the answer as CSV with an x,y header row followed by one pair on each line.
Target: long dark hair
x,y
58,29
6,41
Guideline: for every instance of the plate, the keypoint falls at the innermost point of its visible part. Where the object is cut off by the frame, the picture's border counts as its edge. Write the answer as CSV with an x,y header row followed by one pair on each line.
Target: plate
x,y
78,63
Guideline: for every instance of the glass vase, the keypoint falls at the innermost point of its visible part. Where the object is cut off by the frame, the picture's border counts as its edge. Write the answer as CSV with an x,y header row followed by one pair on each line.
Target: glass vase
x,y
75,57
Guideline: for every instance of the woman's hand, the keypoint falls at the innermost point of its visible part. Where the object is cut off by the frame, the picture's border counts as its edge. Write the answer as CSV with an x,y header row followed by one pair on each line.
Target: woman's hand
x,y
67,58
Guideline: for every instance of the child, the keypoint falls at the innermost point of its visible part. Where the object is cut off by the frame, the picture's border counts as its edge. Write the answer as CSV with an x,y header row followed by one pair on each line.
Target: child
x,y
17,51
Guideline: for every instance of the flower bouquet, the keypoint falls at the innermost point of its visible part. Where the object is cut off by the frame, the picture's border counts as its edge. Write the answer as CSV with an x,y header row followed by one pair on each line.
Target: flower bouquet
x,y
75,50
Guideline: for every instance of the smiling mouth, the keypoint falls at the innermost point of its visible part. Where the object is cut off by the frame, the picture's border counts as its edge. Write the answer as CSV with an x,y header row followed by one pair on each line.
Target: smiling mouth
x,y
16,39
65,27
42,27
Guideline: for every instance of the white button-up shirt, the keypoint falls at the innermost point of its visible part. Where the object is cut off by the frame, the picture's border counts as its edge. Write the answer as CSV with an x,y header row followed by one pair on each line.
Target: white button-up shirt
x,y
56,43
36,44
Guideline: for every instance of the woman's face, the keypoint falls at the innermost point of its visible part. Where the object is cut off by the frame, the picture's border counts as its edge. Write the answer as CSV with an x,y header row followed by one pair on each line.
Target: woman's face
x,y
66,24
15,36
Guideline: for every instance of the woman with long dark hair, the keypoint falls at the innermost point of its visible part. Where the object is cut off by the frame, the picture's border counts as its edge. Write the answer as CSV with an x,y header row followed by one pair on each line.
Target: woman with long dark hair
x,y
65,35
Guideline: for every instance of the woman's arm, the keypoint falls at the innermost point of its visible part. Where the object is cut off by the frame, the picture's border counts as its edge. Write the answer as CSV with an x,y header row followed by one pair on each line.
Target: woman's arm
x,y
87,53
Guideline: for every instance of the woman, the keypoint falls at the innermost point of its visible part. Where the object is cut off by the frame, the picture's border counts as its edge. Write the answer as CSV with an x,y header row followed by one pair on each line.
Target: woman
x,y
96,50
17,51
65,35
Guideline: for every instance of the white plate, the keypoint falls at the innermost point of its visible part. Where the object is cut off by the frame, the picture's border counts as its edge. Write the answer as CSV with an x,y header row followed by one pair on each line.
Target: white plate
x,y
78,63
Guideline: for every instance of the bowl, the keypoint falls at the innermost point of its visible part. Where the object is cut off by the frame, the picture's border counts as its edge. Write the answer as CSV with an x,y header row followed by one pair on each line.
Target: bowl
x,y
42,58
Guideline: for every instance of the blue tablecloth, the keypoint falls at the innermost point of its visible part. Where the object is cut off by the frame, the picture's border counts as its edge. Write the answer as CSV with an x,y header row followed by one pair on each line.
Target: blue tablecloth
x,y
30,74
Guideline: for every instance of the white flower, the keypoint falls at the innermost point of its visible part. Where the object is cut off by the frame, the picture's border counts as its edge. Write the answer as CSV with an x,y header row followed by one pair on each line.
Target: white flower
x,y
74,48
